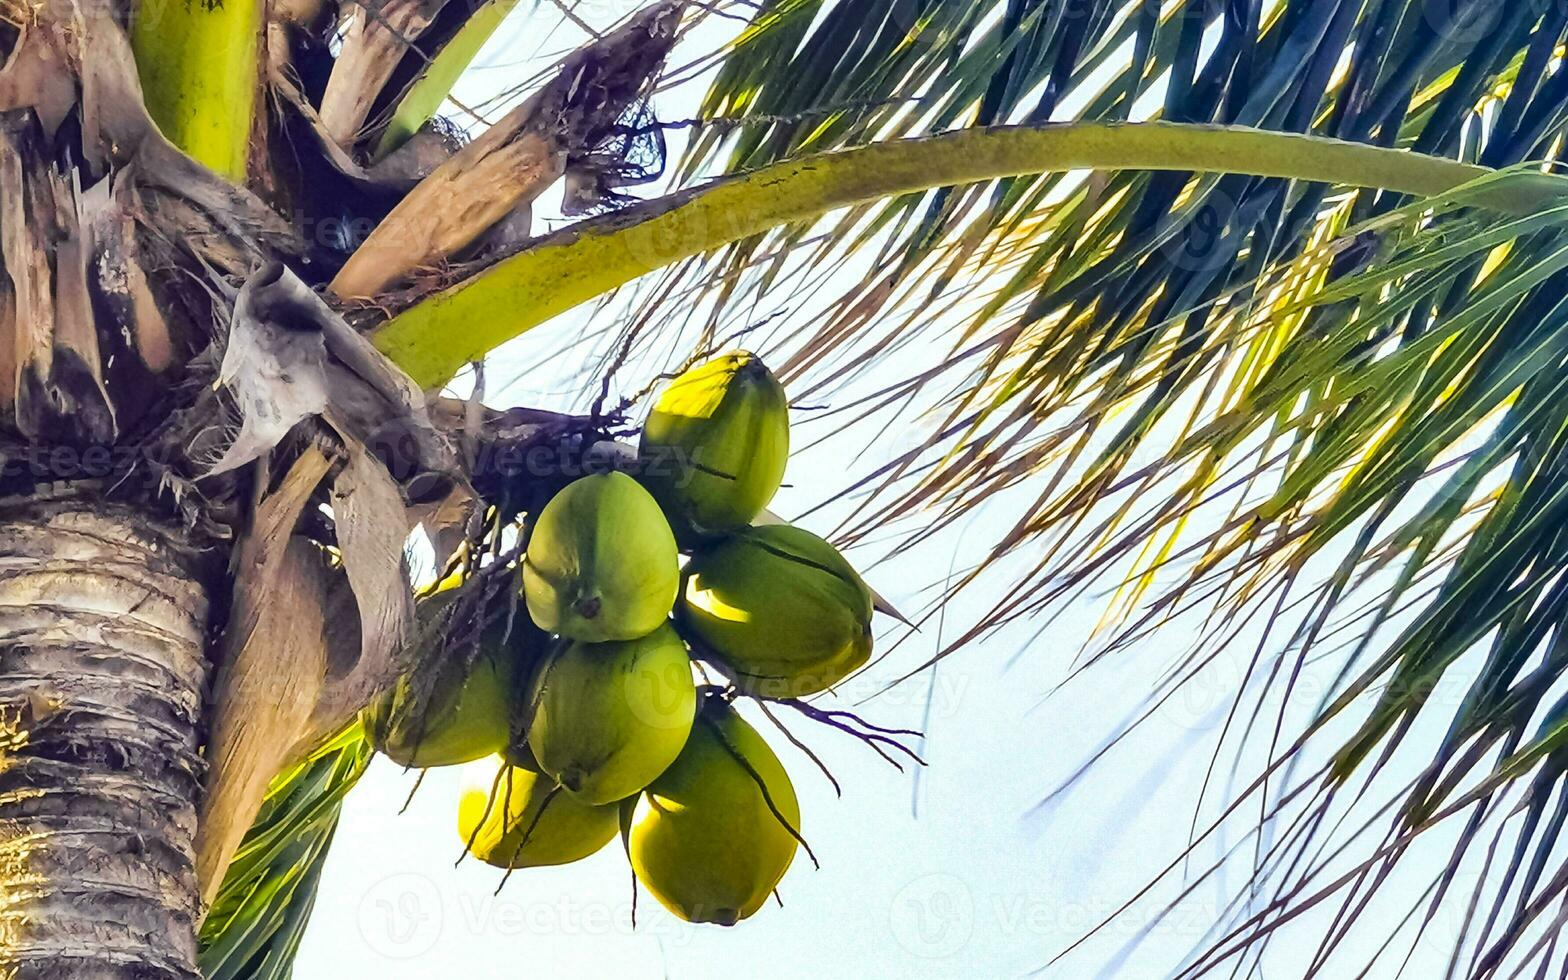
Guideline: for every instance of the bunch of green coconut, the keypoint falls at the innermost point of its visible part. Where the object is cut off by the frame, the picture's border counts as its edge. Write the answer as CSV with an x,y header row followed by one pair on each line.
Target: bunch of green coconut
x,y
605,731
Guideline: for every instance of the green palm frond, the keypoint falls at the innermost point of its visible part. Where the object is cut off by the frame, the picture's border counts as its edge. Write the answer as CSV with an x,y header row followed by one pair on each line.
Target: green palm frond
x,y
861,71
1423,466
255,925
818,75
506,298
199,72
1331,411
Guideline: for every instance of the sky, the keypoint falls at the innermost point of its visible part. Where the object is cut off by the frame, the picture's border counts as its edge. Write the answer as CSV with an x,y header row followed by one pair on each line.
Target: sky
x,y
970,868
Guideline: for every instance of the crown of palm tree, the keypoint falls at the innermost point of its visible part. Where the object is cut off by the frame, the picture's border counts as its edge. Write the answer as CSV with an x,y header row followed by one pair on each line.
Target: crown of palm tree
x,y
1256,306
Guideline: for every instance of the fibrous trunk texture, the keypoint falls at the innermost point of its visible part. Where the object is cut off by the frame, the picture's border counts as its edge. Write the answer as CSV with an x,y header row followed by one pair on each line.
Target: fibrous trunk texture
x,y
103,625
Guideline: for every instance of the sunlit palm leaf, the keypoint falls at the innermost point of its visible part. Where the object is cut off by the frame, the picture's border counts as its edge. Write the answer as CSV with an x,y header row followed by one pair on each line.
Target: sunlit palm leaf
x,y
255,925
503,300
198,64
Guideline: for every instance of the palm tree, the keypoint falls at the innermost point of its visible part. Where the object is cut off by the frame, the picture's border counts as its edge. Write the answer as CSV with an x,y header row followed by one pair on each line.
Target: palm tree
x,y
1291,350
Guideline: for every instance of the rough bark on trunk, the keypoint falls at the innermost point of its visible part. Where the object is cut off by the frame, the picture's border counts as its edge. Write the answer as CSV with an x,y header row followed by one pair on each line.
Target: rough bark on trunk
x,y
103,625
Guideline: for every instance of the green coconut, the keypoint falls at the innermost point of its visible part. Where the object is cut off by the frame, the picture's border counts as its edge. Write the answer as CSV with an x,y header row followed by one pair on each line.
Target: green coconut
x,y
601,563
520,819
714,449
714,834
779,609
607,718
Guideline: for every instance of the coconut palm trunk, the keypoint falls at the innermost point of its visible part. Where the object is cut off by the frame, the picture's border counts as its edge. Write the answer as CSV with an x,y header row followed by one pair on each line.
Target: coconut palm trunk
x,y
103,666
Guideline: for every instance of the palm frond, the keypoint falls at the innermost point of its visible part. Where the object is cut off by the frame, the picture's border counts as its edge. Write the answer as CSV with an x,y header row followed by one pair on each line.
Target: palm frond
x,y
506,298
809,76
199,66
255,925
1423,465
1393,73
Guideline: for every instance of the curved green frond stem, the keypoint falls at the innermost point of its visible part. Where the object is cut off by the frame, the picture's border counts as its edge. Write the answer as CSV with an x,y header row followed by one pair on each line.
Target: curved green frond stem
x,y
435,337
199,67
427,93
